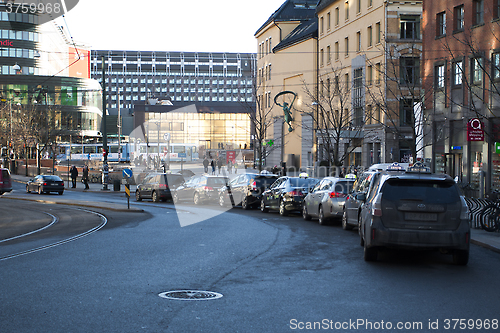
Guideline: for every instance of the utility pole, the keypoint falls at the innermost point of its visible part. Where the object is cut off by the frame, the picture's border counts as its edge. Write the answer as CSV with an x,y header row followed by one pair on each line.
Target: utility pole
x,y
105,168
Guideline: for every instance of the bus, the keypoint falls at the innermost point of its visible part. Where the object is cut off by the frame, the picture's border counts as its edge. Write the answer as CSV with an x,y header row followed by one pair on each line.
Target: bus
x,y
93,152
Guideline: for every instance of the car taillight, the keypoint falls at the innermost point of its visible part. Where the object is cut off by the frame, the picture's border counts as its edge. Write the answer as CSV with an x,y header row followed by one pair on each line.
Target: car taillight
x,y
163,186
254,186
464,212
295,193
44,184
62,184
337,195
377,206
208,188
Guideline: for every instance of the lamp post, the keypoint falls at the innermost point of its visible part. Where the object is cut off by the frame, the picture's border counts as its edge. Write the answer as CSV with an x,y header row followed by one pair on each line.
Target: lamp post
x,y
105,168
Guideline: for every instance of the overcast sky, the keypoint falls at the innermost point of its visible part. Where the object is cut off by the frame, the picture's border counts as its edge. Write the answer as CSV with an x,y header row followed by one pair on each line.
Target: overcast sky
x,y
168,25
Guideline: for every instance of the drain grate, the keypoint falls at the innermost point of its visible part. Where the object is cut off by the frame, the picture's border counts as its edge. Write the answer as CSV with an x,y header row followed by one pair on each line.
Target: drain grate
x,y
190,295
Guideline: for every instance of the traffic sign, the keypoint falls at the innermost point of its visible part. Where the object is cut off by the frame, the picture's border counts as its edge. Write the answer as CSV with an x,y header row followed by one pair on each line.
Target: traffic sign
x,y
166,136
127,173
182,155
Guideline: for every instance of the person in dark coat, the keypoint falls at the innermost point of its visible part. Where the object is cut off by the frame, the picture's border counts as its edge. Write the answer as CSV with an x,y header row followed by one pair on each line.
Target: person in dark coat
x,y
205,164
219,164
74,174
85,177
212,164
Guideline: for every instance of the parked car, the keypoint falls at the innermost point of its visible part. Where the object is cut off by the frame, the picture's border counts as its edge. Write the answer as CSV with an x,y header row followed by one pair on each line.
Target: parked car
x,y
415,210
45,184
327,199
245,190
5,181
200,189
286,194
352,206
158,186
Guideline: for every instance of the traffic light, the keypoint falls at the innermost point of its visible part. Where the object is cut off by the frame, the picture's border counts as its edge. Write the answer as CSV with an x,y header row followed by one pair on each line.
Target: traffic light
x,y
104,154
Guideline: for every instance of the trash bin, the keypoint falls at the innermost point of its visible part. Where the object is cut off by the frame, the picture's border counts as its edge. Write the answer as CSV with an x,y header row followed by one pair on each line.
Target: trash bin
x,y
116,185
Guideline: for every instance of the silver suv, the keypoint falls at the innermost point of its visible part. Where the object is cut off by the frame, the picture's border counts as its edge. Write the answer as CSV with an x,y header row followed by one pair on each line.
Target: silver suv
x,y
416,210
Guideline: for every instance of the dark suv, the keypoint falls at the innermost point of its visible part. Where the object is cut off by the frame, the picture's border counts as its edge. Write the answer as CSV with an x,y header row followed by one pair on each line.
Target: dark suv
x,y
157,186
245,190
415,210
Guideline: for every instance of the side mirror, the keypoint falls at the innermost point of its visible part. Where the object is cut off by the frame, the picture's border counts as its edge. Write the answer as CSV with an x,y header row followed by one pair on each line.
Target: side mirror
x,y
361,197
311,189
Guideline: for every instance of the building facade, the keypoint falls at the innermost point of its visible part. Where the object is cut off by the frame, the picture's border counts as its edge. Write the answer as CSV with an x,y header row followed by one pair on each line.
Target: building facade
x,y
287,59
369,79
461,77
187,92
41,73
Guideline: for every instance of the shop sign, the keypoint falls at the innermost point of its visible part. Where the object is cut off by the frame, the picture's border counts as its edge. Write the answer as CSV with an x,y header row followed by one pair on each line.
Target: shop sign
x,y
475,130
6,43
497,147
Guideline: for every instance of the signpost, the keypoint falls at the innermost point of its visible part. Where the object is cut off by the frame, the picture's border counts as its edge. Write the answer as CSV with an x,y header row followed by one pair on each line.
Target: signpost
x,y
127,174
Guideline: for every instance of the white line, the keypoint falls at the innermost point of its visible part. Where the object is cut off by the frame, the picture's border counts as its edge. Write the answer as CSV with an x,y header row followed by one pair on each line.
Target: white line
x,y
63,3
54,221
45,247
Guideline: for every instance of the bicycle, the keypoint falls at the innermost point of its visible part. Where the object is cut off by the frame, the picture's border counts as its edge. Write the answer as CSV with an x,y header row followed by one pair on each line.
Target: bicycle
x,y
490,215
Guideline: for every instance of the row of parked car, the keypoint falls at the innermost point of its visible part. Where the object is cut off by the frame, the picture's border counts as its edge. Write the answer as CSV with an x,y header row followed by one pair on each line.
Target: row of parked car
x,y
392,208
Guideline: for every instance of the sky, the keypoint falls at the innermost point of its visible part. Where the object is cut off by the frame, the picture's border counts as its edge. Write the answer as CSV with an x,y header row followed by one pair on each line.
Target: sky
x,y
168,25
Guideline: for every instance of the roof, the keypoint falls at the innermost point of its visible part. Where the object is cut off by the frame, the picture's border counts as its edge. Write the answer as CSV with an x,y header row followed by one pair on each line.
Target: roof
x,y
322,4
292,10
306,30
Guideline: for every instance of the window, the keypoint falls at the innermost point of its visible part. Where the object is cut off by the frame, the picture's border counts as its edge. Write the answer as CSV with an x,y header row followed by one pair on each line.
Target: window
x,y
410,27
458,12
328,21
358,41
478,7
496,9
369,75
321,25
370,36
495,60
439,76
322,57
378,33
378,72
441,24
358,97
337,52
346,7
457,73
337,16
346,44
409,70
406,112
328,55
370,3
358,9
477,70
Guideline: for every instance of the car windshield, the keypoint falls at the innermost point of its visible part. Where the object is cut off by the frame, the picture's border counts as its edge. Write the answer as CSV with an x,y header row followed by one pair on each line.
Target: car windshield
x,y
212,181
439,192
343,186
52,178
303,182
174,179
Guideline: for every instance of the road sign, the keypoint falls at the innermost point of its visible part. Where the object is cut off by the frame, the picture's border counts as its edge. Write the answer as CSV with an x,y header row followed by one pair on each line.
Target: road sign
x,y
497,147
166,136
127,173
182,155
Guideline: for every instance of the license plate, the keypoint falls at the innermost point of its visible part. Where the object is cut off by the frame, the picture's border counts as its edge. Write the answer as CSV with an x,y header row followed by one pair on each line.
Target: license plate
x,y
421,216
54,184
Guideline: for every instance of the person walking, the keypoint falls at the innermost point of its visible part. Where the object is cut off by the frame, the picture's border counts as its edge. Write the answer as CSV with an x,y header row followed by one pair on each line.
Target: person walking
x,y
219,164
85,177
205,164
212,164
74,174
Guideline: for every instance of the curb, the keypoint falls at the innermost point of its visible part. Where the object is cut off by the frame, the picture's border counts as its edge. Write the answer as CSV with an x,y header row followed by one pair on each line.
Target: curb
x,y
132,210
485,245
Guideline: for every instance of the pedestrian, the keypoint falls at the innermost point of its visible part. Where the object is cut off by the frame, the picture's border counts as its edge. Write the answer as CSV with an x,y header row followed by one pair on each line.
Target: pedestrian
x,y
219,164
235,168
85,176
229,166
205,164
212,164
74,174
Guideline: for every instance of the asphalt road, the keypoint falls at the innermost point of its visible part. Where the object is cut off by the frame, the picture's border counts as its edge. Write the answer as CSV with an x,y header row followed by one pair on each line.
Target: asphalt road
x,y
276,274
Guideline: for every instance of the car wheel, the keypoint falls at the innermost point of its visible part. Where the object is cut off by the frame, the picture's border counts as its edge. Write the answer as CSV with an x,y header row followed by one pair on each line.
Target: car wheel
x,y
28,189
138,196
305,215
196,199
461,257
175,198
155,197
244,204
263,208
61,192
283,211
321,216
40,190
345,226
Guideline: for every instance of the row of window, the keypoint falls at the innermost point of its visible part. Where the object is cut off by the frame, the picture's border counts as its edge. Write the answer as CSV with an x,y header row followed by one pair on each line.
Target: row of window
x,y
185,90
18,17
328,18
178,81
9,70
129,103
264,73
265,47
96,71
19,35
17,53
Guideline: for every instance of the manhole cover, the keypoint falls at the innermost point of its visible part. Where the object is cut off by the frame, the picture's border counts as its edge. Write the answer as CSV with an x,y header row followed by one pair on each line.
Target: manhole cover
x,y
190,295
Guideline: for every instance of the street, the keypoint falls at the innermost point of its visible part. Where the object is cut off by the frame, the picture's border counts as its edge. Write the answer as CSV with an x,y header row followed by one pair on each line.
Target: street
x,y
275,274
